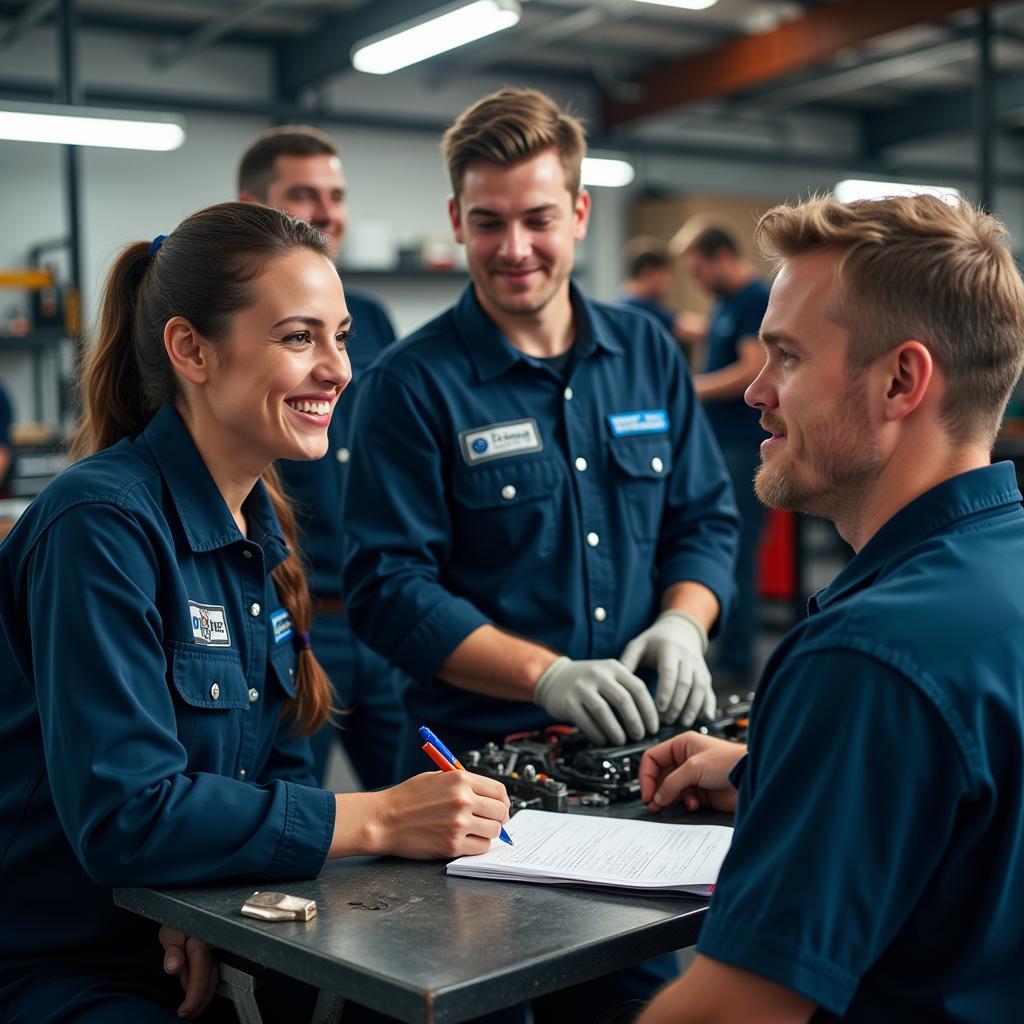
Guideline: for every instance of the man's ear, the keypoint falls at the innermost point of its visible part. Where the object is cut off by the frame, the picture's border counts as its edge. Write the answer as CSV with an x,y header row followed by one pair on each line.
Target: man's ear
x,y
453,216
247,197
909,373
581,214
187,350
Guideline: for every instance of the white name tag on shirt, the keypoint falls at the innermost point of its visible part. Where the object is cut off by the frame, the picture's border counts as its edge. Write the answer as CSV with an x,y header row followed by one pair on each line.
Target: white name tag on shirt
x,y
209,624
500,439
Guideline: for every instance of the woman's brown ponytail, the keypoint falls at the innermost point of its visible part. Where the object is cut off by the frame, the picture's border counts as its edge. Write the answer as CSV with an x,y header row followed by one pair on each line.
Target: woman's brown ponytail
x,y
203,271
314,695
114,400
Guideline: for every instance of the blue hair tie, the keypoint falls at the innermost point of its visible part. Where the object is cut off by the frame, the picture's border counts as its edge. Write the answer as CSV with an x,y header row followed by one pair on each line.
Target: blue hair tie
x,y
302,642
154,246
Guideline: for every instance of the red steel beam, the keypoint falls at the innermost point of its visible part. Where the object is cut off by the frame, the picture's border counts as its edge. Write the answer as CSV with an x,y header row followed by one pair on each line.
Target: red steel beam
x,y
753,60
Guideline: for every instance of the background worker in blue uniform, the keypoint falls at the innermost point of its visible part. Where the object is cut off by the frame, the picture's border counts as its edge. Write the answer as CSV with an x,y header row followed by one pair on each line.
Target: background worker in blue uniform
x,y
732,359
298,169
540,507
876,870
650,276
156,677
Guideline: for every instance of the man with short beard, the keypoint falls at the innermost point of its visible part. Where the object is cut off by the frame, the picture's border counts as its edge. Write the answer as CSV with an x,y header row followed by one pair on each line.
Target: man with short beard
x,y
875,872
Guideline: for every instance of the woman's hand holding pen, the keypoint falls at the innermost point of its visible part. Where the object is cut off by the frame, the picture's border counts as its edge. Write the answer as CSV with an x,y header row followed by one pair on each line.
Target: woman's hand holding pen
x,y
433,815
693,768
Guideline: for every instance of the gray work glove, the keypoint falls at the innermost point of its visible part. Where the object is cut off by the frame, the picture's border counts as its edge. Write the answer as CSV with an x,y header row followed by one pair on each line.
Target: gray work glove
x,y
597,696
675,645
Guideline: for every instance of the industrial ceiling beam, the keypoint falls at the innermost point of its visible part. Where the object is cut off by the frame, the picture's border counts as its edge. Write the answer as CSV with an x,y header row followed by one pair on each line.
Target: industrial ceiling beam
x,y
939,114
326,51
216,28
949,173
30,16
863,72
749,61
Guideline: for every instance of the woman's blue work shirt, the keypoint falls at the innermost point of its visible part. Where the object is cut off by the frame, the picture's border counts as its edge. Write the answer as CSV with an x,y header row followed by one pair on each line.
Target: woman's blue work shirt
x,y
144,669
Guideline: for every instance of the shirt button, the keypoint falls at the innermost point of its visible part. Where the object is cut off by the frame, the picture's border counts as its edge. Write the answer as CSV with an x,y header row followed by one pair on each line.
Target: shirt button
x,y
508,492
254,695
343,455
254,609
568,394
581,464
215,691
241,774
593,540
600,614
657,465
246,553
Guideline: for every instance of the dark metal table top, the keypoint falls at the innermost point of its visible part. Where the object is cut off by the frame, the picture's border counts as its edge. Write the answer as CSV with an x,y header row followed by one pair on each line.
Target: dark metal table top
x,y
405,939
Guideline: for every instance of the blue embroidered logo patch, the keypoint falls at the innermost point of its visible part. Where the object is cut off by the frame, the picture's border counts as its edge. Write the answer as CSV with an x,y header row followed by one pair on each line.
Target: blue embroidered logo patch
x,y
281,623
644,421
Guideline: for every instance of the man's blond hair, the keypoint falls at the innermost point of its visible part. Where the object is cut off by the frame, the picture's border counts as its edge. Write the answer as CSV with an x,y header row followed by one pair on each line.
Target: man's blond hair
x,y
914,267
510,126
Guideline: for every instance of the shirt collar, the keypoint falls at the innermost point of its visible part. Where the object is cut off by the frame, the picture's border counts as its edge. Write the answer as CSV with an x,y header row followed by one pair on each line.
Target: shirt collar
x,y
953,501
204,515
492,354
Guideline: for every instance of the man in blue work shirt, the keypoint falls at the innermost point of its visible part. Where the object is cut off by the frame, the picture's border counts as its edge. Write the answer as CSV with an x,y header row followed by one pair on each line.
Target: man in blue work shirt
x,y
540,507
876,874
650,274
732,359
297,169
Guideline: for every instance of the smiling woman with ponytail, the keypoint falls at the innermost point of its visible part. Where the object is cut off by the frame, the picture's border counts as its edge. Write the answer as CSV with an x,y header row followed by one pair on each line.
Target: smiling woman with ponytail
x,y
156,679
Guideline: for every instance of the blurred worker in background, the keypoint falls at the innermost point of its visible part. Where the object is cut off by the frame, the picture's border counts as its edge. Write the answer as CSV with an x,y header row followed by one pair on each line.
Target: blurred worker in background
x,y
651,273
733,357
298,169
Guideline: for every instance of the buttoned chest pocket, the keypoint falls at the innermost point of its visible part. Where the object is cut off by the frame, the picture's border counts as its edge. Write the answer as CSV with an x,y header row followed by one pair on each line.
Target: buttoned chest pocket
x,y
211,696
642,467
507,506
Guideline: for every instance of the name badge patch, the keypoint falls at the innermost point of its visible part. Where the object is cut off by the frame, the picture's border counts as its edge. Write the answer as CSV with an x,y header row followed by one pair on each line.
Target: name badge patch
x,y
209,624
644,421
500,439
281,623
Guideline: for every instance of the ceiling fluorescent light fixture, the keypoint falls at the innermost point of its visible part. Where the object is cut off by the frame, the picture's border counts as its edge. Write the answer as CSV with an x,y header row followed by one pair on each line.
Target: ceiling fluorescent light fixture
x,y
851,189
686,5
606,172
444,29
89,126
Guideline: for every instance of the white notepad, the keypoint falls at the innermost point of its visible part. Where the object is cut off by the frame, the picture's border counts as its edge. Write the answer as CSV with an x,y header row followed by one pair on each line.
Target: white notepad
x,y
613,853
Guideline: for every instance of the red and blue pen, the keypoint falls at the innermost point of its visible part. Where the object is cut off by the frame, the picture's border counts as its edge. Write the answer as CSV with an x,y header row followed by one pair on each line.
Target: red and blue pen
x,y
447,762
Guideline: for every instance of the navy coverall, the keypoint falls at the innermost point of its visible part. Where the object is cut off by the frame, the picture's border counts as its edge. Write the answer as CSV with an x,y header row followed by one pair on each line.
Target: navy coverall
x,y
878,862
490,489
144,664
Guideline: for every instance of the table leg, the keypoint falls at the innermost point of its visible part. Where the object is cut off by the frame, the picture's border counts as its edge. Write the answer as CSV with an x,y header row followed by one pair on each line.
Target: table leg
x,y
240,987
328,1008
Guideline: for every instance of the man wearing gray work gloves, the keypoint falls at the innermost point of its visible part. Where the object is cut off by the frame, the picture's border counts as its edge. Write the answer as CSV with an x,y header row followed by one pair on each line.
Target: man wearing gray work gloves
x,y
541,521
537,489
604,697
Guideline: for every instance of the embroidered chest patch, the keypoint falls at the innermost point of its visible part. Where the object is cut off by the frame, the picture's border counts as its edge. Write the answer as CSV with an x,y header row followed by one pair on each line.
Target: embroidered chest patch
x,y
643,421
500,439
209,624
281,624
